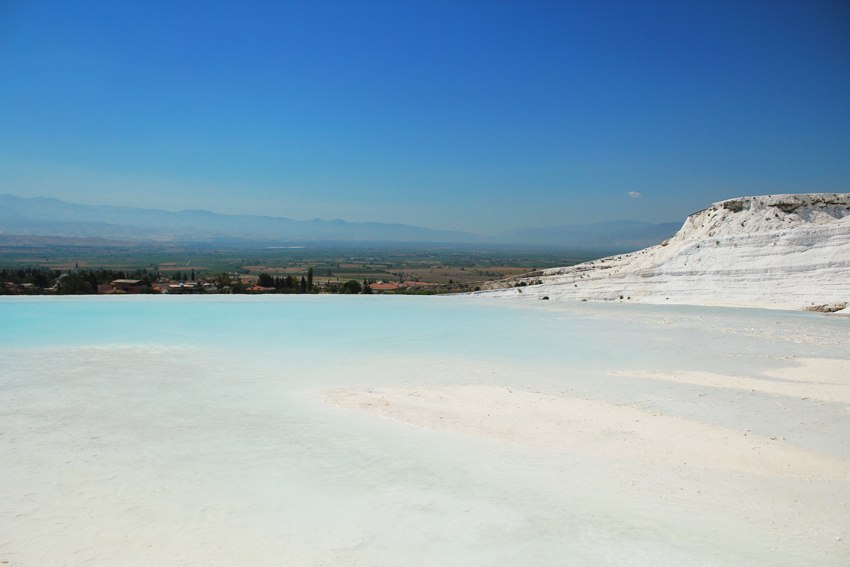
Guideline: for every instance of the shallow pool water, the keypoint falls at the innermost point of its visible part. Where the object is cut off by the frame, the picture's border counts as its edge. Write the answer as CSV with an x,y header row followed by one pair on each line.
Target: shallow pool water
x,y
193,431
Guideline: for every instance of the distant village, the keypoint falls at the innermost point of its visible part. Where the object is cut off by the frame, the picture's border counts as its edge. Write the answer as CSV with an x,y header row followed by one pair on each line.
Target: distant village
x,y
40,281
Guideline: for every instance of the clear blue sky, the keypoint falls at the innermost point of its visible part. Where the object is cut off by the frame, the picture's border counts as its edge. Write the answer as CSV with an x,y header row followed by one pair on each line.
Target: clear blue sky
x,y
464,115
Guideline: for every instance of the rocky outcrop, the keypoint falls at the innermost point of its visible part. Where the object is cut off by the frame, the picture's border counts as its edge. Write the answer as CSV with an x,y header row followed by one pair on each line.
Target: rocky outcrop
x,y
776,251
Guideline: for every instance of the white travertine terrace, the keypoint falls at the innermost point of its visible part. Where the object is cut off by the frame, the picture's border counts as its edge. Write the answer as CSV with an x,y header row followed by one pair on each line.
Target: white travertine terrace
x,y
773,251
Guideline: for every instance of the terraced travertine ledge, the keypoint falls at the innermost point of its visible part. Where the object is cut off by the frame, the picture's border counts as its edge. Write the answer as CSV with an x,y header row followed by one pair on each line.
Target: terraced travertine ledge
x,y
772,251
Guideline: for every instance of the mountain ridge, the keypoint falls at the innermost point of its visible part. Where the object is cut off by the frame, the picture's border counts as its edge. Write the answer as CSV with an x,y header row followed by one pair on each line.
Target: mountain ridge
x,y
76,220
48,216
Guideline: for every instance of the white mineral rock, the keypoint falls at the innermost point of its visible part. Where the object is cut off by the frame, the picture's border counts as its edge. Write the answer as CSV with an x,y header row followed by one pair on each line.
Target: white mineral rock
x,y
774,251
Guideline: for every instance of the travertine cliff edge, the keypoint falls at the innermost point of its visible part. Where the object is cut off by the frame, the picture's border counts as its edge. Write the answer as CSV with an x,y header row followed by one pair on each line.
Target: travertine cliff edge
x,y
774,251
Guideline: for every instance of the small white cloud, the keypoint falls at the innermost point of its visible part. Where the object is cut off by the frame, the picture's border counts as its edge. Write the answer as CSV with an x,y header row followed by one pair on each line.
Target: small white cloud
x,y
635,195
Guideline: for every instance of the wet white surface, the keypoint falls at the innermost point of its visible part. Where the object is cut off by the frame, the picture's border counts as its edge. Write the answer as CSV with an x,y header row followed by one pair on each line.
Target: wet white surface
x,y
203,431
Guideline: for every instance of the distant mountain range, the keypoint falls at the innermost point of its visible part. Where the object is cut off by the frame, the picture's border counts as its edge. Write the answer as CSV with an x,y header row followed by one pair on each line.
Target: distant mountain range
x,y
606,236
46,216
42,216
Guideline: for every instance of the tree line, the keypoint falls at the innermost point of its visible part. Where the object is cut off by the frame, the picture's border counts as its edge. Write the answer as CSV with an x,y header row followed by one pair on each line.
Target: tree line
x,y
78,282
35,281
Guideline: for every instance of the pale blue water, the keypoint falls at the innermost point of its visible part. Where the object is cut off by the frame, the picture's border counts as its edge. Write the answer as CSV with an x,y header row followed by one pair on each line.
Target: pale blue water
x,y
191,429
452,326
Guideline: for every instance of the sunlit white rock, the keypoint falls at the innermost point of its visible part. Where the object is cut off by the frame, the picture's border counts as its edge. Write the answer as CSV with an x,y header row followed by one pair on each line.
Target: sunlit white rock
x,y
778,251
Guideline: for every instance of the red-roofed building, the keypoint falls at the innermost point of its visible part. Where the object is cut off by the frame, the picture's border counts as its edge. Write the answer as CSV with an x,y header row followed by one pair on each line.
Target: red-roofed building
x,y
384,286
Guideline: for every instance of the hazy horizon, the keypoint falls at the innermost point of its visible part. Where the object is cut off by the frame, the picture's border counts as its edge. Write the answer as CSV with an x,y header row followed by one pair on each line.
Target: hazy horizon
x,y
200,209
474,117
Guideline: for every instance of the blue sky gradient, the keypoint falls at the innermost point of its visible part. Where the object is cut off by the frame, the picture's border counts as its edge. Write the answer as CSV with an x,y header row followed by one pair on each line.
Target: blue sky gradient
x,y
476,116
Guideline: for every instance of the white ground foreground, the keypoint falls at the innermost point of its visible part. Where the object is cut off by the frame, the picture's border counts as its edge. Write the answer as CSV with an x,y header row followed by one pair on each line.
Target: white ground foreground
x,y
774,251
593,427
756,496
562,434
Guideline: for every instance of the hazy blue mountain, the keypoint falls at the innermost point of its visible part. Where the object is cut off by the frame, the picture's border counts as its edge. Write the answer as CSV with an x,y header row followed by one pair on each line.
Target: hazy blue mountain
x,y
42,216
618,236
47,216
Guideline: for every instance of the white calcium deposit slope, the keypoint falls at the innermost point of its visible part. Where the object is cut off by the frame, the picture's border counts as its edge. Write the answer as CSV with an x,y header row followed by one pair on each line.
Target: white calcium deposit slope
x,y
777,251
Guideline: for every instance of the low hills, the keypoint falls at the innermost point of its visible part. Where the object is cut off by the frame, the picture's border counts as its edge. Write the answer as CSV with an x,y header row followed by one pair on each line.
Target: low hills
x,y
43,217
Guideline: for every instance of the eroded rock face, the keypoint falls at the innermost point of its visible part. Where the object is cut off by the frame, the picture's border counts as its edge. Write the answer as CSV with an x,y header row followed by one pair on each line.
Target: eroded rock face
x,y
779,251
